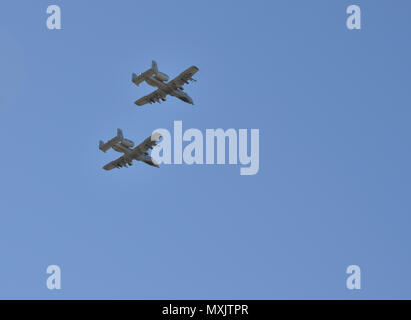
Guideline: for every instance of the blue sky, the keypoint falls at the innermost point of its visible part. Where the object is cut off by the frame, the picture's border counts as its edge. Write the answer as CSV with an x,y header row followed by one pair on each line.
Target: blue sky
x,y
333,110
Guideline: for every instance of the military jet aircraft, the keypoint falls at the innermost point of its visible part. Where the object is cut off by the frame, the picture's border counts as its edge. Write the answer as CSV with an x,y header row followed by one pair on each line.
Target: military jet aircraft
x,y
157,79
139,153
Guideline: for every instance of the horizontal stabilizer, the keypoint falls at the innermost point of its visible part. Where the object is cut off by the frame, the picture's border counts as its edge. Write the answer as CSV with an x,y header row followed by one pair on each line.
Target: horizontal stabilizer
x,y
137,79
105,146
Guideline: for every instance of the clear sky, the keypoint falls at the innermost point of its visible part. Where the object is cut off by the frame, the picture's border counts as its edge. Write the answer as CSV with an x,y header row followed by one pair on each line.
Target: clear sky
x,y
333,110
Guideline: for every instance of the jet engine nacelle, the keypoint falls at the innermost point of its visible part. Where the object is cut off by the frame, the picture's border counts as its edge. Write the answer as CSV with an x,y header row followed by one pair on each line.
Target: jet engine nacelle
x,y
161,76
127,143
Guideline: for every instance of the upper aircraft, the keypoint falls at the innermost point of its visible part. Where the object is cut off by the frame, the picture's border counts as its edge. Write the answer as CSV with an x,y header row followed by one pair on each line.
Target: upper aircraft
x,y
157,79
139,153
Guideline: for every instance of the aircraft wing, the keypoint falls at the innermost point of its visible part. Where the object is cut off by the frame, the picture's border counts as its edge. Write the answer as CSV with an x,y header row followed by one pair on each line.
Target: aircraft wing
x,y
183,77
150,162
118,163
155,96
147,144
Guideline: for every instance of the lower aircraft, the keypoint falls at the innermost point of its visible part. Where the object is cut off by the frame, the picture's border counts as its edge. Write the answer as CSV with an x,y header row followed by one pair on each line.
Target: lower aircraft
x,y
122,145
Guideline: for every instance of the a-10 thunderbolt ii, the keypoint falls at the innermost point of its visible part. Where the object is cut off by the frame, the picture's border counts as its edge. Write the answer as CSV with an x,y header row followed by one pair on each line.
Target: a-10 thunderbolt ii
x,y
139,153
157,79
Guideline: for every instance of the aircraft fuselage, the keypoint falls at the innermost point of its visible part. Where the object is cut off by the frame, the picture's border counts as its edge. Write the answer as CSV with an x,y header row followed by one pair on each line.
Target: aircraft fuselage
x,y
178,93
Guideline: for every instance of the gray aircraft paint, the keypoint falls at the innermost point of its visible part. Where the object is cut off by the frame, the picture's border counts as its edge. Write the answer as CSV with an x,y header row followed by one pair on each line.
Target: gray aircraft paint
x,y
157,79
125,146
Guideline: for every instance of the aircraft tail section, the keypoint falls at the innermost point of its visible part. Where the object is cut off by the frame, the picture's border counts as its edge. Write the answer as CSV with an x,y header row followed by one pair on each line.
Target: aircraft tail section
x,y
154,67
137,79
120,134
105,146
